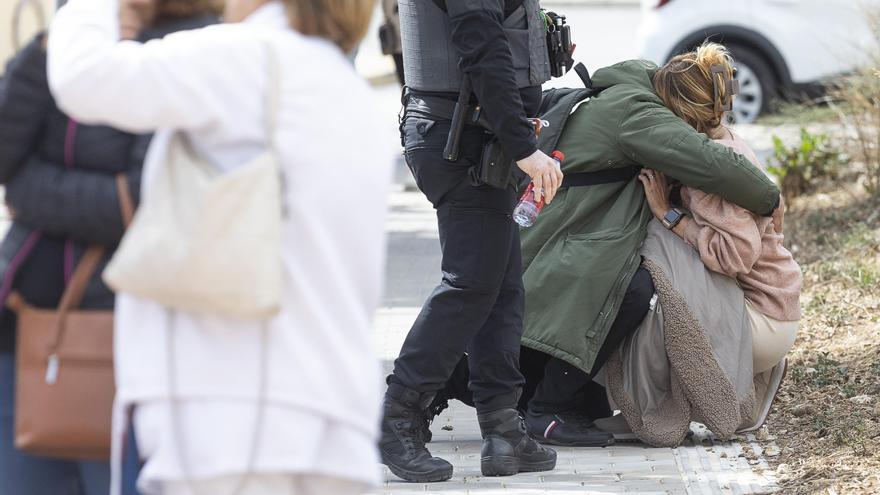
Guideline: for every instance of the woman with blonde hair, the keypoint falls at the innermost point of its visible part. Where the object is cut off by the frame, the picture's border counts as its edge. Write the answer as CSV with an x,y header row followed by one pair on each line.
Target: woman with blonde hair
x,y
730,240
731,275
707,341
226,405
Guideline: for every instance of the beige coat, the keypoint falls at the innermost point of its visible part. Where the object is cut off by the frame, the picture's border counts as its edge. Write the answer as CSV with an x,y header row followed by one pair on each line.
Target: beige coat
x,y
691,359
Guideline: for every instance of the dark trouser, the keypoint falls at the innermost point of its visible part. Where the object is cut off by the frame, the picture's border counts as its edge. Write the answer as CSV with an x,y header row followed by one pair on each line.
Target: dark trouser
x,y
398,67
478,306
562,384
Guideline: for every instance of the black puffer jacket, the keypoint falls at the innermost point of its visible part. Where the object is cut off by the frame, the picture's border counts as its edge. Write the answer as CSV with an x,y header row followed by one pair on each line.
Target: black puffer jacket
x,y
60,180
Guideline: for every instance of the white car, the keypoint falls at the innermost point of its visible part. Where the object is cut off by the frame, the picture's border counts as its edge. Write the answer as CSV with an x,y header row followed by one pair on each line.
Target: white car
x,y
782,47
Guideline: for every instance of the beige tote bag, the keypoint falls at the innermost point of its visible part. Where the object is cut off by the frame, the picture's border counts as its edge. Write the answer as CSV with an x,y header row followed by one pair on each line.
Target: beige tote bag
x,y
206,241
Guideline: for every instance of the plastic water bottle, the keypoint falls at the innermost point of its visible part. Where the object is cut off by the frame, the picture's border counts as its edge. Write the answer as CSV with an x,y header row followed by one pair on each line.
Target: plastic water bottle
x,y
526,211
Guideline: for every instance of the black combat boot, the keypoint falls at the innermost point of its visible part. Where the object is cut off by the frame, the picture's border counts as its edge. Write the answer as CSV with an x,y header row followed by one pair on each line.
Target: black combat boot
x,y
439,404
403,444
568,429
456,388
507,449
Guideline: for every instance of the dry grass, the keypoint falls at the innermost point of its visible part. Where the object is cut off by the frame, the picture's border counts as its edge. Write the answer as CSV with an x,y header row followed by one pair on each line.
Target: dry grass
x,y
827,417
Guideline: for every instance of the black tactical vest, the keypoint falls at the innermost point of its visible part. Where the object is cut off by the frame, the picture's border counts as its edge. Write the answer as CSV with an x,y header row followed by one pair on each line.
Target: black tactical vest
x,y
430,60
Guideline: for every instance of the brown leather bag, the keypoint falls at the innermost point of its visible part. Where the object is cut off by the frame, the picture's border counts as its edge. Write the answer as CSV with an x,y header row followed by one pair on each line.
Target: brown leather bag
x,y
64,367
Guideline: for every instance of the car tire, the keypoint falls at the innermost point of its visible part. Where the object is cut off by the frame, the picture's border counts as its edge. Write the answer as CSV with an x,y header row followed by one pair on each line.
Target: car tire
x,y
758,84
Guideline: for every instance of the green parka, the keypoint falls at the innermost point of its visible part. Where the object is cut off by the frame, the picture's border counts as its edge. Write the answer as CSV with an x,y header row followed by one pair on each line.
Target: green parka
x,y
583,250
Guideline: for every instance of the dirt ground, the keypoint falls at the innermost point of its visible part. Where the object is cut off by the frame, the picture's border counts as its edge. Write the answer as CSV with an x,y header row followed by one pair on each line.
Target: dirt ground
x,y
826,420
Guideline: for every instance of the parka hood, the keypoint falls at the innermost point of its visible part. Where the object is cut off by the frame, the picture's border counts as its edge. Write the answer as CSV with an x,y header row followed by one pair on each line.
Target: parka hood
x,y
632,72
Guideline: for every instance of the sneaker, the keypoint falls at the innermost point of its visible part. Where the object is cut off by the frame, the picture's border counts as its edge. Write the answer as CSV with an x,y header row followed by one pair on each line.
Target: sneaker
x,y
774,381
566,429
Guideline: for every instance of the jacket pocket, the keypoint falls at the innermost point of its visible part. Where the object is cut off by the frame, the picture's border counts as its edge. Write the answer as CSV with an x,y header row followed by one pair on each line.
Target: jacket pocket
x,y
595,261
599,235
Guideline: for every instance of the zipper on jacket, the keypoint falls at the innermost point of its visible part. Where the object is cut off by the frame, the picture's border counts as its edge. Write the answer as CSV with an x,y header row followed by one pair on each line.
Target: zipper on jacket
x,y
604,314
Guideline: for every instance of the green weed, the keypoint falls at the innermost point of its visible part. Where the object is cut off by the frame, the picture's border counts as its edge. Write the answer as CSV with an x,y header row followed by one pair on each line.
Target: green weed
x,y
801,168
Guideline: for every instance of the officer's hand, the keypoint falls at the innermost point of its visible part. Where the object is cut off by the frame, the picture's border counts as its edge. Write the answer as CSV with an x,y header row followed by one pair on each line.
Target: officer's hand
x,y
545,173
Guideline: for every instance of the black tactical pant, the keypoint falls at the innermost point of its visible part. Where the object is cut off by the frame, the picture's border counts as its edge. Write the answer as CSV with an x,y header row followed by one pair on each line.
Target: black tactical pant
x,y
478,306
563,386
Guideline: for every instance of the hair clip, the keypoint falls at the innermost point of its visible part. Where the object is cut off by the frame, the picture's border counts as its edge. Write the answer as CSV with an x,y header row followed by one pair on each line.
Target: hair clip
x,y
731,87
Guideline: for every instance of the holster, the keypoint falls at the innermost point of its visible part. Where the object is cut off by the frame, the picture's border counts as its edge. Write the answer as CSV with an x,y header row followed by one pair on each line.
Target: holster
x,y
495,168
389,40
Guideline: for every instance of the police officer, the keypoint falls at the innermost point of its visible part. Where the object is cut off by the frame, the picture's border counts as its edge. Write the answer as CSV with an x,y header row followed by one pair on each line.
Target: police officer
x,y
499,48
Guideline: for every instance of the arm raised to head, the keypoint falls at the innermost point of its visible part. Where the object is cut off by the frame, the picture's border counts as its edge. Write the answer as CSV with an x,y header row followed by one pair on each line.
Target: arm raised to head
x,y
652,136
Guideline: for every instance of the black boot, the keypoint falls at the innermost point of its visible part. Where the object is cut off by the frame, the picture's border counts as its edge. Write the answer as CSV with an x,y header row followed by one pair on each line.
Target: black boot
x,y
403,444
568,429
439,404
507,449
456,388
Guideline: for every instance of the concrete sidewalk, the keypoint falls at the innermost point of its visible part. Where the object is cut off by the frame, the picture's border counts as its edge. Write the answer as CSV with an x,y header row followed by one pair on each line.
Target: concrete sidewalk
x,y
702,466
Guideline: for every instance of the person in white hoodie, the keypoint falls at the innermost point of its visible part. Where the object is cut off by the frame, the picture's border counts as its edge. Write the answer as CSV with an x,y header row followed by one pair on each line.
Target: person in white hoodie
x,y
318,427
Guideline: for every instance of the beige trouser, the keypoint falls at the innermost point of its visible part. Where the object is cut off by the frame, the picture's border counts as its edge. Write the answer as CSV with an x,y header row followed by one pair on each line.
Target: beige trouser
x,y
771,339
267,484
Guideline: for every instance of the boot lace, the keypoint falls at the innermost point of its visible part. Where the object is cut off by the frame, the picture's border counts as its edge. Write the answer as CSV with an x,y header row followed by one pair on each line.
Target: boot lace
x,y
411,432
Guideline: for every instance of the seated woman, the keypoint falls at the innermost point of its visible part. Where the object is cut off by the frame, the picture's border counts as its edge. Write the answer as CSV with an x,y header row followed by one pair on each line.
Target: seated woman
x,y
730,292
585,288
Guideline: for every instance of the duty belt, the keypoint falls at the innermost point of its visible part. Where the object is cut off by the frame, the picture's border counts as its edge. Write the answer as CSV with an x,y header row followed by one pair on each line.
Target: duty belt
x,y
441,108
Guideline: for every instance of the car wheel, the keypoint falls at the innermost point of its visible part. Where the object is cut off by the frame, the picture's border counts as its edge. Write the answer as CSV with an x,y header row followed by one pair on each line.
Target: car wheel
x,y
757,85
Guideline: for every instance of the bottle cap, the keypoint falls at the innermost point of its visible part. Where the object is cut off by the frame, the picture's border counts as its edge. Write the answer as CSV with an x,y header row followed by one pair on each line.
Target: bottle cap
x,y
558,155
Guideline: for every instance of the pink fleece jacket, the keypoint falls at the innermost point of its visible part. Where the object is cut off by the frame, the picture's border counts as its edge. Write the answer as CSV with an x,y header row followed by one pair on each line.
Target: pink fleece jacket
x,y
733,241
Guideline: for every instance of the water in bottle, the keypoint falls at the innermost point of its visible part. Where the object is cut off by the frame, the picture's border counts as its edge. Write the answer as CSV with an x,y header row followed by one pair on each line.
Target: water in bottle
x,y
526,211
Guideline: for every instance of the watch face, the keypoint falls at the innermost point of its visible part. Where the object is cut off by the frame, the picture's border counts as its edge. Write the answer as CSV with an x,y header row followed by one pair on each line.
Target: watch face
x,y
671,216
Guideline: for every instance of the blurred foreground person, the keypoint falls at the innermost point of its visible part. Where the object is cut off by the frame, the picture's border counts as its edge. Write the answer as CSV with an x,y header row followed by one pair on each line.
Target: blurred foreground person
x,y
223,405
62,190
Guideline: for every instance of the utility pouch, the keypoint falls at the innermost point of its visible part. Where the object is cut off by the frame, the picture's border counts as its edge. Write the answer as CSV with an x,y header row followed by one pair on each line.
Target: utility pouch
x,y
559,46
495,169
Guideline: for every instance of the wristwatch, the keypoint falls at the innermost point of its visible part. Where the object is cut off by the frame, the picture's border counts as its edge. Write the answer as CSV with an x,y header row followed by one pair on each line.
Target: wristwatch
x,y
672,217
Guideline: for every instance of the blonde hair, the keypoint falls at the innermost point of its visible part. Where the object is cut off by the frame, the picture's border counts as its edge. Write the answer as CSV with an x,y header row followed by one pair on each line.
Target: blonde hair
x,y
688,86
343,22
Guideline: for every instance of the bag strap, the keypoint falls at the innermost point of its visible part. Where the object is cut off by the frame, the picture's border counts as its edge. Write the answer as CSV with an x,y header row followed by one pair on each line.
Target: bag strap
x,y
76,289
272,95
584,74
126,203
273,98
87,266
